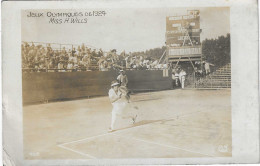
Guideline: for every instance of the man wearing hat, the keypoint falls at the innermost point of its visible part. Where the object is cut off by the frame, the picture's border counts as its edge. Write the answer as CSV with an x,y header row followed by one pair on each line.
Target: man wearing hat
x,y
122,78
123,81
119,103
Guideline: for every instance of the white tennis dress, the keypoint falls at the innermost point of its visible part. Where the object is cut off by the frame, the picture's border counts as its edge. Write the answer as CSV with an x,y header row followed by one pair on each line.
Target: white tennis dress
x,y
119,105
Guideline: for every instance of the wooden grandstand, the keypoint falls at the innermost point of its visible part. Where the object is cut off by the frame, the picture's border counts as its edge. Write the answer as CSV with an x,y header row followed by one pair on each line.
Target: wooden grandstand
x,y
219,79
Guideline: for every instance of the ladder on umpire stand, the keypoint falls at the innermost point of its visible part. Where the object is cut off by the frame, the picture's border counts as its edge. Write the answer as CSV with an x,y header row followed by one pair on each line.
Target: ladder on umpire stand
x,y
186,37
163,57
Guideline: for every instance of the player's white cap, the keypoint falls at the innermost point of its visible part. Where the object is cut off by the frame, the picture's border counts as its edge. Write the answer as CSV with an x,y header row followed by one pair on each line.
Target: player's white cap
x,y
114,83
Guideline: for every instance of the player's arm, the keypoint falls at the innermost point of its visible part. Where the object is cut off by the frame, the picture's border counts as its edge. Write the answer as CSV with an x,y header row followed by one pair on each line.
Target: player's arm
x,y
114,98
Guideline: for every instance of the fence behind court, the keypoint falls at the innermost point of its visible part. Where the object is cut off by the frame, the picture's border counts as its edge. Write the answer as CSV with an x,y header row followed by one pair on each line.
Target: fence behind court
x,y
40,87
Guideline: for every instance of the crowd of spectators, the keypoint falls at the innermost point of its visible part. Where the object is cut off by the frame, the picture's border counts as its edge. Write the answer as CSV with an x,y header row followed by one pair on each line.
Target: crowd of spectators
x,y
44,58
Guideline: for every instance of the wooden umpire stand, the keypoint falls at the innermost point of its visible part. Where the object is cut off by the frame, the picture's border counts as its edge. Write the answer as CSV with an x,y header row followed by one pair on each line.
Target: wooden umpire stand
x,y
183,39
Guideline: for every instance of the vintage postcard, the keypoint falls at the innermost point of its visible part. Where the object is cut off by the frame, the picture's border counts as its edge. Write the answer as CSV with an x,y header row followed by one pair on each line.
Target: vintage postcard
x,y
118,82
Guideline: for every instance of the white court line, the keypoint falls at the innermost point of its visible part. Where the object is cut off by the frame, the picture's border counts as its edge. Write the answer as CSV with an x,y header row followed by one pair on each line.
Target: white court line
x,y
61,145
96,136
168,146
83,154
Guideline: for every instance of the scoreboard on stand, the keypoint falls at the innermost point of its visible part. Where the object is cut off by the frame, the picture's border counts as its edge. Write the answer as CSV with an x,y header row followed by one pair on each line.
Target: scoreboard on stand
x,y
183,37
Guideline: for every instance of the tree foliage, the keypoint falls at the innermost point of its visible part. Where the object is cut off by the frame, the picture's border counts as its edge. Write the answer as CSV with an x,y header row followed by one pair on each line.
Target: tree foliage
x,y
217,51
152,54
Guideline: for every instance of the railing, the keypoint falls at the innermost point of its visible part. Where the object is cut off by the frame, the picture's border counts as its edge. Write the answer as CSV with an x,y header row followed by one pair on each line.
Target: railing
x,y
54,70
80,69
60,46
215,79
211,83
185,50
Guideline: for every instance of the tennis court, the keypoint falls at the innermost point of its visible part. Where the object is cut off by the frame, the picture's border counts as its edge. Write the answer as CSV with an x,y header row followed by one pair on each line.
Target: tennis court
x,y
170,124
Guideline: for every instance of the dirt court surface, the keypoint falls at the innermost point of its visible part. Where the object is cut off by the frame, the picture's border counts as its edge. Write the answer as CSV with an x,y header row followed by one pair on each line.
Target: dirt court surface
x,y
170,124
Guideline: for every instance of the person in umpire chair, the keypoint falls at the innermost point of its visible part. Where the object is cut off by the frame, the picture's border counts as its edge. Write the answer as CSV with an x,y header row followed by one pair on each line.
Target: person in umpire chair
x,y
119,100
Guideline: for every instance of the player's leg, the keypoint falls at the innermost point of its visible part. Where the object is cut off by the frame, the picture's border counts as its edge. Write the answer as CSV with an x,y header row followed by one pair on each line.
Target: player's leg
x,y
113,120
132,111
128,112
134,118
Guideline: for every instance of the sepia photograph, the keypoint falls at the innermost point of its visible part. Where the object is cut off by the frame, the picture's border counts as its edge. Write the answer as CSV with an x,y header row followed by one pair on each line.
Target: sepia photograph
x,y
126,83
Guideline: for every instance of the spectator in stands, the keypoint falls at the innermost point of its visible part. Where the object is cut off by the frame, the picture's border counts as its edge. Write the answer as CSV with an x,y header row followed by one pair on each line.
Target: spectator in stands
x,y
93,53
60,67
101,66
40,57
42,66
82,47
75,67
70,53
70,66
100,53
73,58
73,51
165,66
127,62
86,60
51,65
63,51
